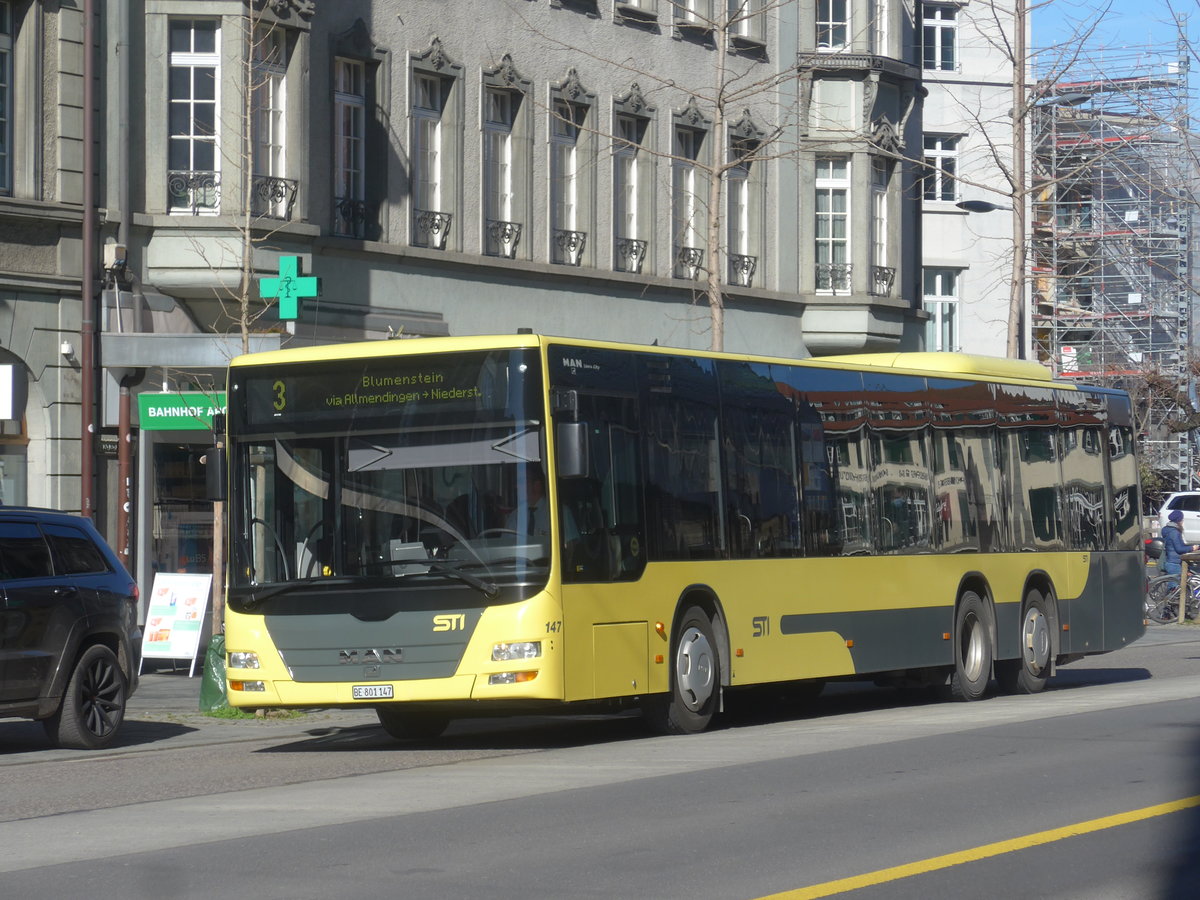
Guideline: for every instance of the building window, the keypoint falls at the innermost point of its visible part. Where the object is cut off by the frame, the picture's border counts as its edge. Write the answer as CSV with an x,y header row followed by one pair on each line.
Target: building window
x,y
941,302
687,225
637,10
627,183
273,193
743,206
941,167
431,216
879,28
833,24
939,37
502,233
633,182
832,224
6,97
745,20
349,130
194,177
882,274
567,238
693,12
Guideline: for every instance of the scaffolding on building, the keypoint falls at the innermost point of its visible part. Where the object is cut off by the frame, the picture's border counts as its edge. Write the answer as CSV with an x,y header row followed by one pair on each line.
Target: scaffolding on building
x,y
1114,192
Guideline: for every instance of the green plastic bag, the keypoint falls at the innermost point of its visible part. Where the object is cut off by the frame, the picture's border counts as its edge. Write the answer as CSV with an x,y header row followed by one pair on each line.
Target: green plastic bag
x,y
212,684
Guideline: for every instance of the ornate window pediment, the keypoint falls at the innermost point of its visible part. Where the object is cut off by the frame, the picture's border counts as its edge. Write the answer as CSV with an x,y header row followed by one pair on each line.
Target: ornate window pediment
x,y
285,11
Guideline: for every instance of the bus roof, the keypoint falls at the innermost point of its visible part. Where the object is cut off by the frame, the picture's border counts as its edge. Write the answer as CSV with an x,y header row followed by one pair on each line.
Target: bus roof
x,y
951,364
929,363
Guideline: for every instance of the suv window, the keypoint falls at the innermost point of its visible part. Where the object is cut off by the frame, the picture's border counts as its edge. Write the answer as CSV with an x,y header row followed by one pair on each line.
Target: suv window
x,y
74,551
1187,502
23,551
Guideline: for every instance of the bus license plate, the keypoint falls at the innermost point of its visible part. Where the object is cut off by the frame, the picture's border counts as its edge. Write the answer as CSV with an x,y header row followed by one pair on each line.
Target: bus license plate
x,y
371,692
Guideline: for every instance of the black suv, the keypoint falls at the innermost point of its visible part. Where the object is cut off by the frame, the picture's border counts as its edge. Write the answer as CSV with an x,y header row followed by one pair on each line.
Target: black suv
x,y
70,645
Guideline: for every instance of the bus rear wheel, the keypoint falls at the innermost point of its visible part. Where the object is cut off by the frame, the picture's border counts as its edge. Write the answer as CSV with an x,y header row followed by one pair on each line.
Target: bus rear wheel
x,y
409,725
972,649
1028,673
695,679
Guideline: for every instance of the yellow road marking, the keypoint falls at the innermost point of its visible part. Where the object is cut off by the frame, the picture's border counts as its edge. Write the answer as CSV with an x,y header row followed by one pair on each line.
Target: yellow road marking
x,y
869,879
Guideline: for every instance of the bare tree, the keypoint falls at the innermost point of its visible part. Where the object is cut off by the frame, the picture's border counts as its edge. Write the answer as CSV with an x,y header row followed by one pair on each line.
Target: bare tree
x,y
738,101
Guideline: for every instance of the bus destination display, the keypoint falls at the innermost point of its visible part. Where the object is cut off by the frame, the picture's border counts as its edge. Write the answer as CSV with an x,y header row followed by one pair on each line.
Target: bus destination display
x,y
377,388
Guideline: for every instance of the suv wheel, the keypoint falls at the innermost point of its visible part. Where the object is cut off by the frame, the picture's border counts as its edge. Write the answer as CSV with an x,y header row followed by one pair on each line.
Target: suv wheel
x,y
94,703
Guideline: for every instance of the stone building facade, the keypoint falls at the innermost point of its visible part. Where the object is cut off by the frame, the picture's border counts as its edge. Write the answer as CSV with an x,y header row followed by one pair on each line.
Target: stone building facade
x,y
444,167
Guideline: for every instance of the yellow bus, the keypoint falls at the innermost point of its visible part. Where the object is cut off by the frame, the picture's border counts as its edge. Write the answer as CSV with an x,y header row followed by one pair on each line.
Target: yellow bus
x,y
447,527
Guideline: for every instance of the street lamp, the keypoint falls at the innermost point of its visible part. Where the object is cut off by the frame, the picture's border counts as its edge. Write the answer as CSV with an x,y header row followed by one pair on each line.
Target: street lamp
x,y
980,206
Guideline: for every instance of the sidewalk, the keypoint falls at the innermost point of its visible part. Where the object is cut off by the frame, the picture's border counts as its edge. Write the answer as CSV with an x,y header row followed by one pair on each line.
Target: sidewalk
x,y
167,695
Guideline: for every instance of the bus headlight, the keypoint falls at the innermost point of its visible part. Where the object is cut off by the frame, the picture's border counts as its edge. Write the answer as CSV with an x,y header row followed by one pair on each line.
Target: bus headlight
x,y
243,660
255,686
516,650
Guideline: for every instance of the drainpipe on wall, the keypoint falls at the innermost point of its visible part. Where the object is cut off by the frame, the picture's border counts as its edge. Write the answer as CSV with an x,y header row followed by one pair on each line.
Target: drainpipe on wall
x,y
125,486
87,327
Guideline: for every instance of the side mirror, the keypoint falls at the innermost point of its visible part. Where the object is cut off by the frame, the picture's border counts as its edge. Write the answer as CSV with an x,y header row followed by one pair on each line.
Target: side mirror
x,y
571,441
216,470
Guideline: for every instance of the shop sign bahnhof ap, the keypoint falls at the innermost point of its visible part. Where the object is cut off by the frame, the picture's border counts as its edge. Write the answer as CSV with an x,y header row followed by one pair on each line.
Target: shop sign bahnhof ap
x,y
179,410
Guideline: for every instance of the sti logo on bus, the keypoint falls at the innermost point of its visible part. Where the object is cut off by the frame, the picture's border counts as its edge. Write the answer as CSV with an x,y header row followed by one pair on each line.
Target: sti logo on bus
x,y
370,656
451,622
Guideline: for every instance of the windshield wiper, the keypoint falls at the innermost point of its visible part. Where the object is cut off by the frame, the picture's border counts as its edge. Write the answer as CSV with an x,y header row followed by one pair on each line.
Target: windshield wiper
x,y
260,596
487,588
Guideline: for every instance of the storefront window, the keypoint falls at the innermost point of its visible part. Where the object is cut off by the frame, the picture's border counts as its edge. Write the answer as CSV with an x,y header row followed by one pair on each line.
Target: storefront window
x,y
183,518
14,443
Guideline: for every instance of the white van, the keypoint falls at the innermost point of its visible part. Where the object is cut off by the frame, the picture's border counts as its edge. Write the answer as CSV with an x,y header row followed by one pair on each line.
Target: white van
x,y
1188,502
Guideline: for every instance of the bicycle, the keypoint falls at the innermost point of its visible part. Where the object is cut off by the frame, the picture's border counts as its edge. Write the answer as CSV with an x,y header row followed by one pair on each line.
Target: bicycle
x,y
1162,599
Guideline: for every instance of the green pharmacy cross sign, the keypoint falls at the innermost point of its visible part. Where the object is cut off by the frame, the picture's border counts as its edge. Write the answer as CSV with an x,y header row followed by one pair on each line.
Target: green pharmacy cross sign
x,y
289,287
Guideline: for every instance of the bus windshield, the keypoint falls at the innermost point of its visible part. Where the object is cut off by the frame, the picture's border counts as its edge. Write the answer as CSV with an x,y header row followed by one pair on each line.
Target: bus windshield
x,y
404,485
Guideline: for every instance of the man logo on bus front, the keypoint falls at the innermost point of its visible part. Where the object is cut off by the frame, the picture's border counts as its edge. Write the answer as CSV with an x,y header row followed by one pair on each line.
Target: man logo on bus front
x,y
370,656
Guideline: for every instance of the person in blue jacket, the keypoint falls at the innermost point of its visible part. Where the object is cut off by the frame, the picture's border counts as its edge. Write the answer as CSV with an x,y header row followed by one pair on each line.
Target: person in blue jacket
x,y
1173,545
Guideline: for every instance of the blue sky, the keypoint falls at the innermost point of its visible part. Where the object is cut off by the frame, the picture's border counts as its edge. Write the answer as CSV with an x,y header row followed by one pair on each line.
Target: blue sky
x,y
1126,24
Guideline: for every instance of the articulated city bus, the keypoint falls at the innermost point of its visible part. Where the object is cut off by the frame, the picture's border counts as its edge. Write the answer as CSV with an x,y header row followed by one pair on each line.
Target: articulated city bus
x,y
448,527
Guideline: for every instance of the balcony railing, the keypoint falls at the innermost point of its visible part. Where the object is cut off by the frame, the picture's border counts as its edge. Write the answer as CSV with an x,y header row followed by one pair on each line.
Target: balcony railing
x,y
568,246
688,261
503,237
881,280
630,254
741,269
194,192
354,218
833,277
431,228
271,197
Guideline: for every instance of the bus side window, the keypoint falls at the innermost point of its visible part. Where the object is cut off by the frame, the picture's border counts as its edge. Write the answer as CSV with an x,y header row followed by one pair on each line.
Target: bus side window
x,y
601,514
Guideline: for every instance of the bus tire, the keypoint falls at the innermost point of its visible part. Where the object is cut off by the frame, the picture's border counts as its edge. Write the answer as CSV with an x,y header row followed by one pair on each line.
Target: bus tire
x,y
972,649
408,725
695,679
1029,672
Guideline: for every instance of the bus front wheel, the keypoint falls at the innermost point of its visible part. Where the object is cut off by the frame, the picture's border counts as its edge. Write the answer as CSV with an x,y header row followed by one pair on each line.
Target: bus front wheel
x,y
972,649
695,679
1028,673
408,725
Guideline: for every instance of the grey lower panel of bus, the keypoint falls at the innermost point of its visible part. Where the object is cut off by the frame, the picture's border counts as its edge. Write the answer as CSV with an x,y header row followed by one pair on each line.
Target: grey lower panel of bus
x,y
1109,612
884,640
1106,615
339,647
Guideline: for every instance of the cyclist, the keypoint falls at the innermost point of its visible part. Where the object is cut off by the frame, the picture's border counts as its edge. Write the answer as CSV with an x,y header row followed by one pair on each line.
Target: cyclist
x,y
1173,545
